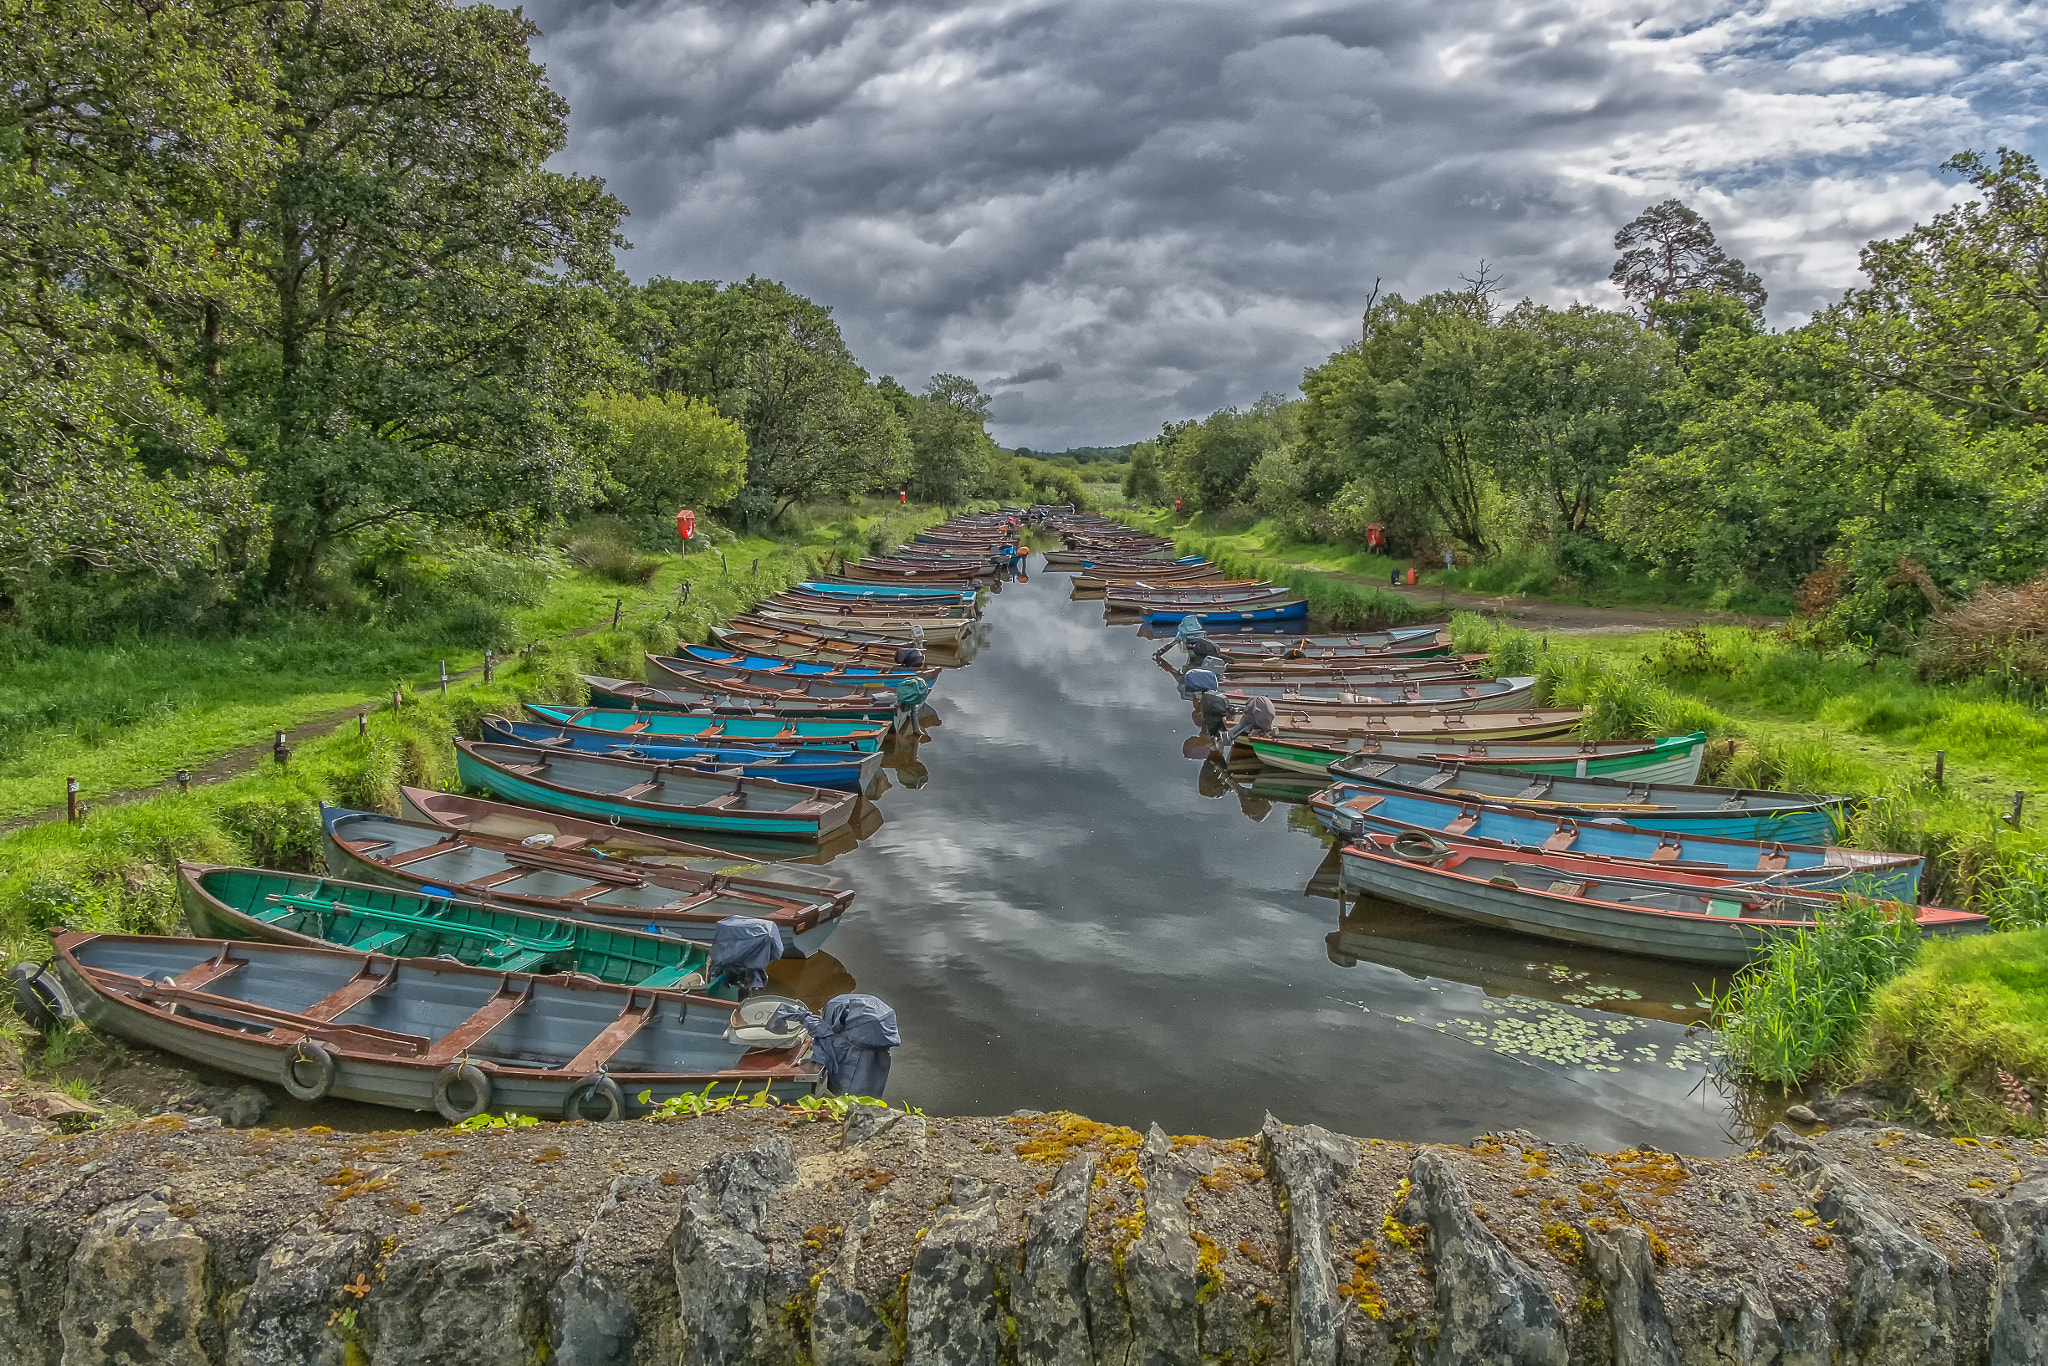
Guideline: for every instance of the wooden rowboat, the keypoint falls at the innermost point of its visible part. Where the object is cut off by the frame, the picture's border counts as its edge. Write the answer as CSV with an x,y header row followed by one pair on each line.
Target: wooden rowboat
x,y
949,629
1673,760
531,829
420,1033
1345,699
1360,645
1295,610
322,912
793,646
1686,916
657,795
1126,599
629,695
1351,811
841,770
836,634
1459,728
774,667
667,727
570,884
1734,812
667,671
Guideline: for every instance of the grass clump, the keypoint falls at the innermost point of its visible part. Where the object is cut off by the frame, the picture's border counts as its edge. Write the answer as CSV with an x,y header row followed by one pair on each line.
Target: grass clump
x,y
1801,1010
1965,1031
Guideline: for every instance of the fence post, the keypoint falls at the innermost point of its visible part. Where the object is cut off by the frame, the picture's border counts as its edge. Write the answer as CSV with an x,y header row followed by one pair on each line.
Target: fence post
x,y
618,606
71,800
184,780
490,663
1940,763
362,723
756,570
723,567
278,751
444,678
2019,802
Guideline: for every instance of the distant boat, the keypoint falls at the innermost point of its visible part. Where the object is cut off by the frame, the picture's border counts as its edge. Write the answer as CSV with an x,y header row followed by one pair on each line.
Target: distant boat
x,y
938,629
1358,645
662,796
1446,727
1314,698
1663,912
775,667
1348,810
422,1033
1289,611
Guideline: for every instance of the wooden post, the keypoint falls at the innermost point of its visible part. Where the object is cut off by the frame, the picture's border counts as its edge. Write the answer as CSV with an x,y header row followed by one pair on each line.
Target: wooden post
x,y
2019,802
444,678
184,780
723,567
756,570
362,723
490,663
1940,763
397,698
686,593
617,607
278,751
71,800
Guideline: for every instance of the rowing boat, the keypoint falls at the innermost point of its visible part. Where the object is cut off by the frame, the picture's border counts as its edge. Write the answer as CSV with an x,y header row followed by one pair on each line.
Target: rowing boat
x,y
777,645
1734,812
421,1033
776,667
668,671
1351,699
626,694
572,884
890,592
839,633
841,770
1672,760
949,629
523,825
664,727
321,912
652,794
1681,915
1296,610
1456,728
1350,811
1362,645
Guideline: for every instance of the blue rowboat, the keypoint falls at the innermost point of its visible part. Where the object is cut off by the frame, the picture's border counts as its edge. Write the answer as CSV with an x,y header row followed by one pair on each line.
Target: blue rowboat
x,y
663,796
1291,611
700,699
840,769
681,728
890,590
1730,812
1351,809
667,671
774,667
1674,759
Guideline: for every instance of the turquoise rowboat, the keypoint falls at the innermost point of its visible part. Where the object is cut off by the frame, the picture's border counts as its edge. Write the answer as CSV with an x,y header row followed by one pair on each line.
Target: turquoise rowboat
x,y
652,794
1675,759
1349,810
861,737
890,591
774,670
1289,611
1730,812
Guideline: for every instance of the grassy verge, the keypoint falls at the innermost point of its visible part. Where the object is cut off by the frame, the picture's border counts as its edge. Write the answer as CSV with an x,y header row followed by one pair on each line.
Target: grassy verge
x,y
128,715
1962,1037
1535,573
1338,584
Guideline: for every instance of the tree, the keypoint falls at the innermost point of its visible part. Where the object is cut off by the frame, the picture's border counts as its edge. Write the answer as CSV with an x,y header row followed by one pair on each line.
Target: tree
x,y
950,448
1213,459
776,363
1569,393
1957,309
1142,482
1668,250
668,451
122,129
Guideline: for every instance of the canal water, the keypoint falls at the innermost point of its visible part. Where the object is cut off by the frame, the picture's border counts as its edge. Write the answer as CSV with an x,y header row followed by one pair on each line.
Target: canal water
x,y
1068,911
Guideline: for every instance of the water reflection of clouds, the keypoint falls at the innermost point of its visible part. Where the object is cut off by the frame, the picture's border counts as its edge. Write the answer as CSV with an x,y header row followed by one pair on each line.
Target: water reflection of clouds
x,y
1062,921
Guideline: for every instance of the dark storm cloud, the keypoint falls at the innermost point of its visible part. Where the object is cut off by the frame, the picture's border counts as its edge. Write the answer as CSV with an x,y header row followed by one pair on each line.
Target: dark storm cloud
x,y
1137,210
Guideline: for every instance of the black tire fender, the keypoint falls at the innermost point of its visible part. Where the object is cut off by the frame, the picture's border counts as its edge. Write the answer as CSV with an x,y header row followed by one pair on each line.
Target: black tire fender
x,y
307,1053
462,1074
35,999
597,1086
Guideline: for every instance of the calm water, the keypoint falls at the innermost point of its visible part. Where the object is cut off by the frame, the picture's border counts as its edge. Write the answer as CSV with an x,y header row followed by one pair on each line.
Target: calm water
x,y
1068,912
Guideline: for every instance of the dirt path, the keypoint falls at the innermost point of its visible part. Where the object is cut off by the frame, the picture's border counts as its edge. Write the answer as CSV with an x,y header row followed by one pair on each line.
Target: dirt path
x,y
1559,618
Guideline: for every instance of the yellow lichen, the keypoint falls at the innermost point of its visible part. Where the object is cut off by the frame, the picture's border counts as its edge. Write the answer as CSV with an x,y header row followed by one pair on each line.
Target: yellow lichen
x,y
1566,1243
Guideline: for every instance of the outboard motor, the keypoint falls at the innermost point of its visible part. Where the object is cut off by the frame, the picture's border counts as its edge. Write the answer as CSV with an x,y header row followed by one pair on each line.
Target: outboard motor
x,y
1197,681
852,1041
909,657
1201,650
1190,627
910,695
742,947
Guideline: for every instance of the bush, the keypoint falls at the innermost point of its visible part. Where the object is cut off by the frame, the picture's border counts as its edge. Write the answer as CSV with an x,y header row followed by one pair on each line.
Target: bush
x,y
613,560
1999,633
1801,1009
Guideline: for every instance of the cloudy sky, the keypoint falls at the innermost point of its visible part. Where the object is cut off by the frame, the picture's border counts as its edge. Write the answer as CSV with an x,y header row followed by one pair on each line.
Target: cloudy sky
x,y
1112,213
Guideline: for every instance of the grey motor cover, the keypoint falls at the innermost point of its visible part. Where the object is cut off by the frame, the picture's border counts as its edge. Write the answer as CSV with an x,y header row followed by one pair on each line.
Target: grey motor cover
x,y
851,1041
742,947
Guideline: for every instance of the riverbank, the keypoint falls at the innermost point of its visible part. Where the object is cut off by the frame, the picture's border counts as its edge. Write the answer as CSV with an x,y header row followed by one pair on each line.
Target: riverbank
x,y
771,1236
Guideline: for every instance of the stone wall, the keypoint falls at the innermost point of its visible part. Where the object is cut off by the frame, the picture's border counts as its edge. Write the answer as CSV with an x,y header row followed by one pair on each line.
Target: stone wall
x,y
1041,1240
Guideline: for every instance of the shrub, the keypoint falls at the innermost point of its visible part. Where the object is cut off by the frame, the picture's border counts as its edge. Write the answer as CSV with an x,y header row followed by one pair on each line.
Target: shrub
x,y
613,560
2000,633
